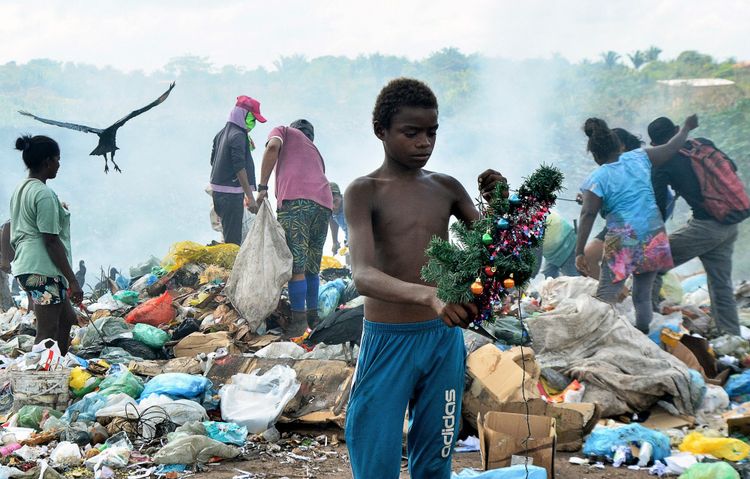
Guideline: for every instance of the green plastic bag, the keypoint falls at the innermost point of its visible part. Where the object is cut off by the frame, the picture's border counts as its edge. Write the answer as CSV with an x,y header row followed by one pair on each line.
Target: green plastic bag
x,y
31,416
710,470
150,336
126,296
123,382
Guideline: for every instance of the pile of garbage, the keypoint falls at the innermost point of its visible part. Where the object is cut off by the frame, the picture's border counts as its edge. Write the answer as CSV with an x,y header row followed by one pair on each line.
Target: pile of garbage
x,y
674,402
181,364
164,374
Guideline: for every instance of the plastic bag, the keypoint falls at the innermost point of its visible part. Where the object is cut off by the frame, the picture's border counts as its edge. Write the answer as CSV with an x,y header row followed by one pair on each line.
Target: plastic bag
x,y
738,385
115,404
671,289
513,472
281,350
329,297
194,449
256,401
178,385
603,440
185,252
213,274
180,411
150,336
106,302
126,296
85,409
186,328
31,416
262,268
66,454
228,433
144,282
720,447
711,470
715,400
110,327
83,382
156,311
122,382
329,262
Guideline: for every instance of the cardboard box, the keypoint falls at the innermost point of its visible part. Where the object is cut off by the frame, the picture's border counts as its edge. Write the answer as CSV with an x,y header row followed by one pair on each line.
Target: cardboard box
x,y
573,422
502,440
497,377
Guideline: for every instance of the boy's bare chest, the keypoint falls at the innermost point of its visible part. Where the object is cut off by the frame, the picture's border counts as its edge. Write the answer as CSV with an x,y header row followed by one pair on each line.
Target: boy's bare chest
x,y
411,212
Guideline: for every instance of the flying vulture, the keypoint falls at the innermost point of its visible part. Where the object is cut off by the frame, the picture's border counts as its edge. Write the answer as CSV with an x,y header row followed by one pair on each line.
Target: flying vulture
x,y
107,135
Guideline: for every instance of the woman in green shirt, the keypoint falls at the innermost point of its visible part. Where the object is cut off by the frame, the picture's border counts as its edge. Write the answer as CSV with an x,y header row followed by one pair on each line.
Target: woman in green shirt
x,y
40,237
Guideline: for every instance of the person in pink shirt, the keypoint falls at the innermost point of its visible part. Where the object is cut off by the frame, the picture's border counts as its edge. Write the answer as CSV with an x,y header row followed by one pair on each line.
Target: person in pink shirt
x,y
305,205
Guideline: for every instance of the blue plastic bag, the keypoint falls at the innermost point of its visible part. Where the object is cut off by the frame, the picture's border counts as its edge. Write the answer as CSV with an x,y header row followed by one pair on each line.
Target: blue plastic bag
x,y
603,440
226,432
329,297
86,408
178,386
513,472
738,384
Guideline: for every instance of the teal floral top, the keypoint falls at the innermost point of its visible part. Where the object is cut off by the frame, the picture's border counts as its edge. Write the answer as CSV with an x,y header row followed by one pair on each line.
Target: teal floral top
x,y
636,240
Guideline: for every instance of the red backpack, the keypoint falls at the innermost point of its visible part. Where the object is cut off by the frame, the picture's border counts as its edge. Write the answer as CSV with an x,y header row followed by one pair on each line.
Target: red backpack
x,y
724,195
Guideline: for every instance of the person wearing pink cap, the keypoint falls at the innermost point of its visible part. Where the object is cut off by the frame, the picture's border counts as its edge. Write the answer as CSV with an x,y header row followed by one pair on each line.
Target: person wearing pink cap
x,y
232,168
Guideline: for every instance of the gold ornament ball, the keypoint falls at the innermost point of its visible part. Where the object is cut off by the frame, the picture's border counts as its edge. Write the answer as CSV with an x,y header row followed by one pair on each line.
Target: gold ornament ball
x,y
477,288
509,283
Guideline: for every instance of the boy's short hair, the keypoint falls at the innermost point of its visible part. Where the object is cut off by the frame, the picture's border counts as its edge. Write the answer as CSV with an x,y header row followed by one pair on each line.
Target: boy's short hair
x,y
399,93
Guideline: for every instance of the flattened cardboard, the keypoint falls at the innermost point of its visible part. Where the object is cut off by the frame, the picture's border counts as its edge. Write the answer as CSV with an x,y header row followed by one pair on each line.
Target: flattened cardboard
x,y
502,436
661,420
198,343
323,393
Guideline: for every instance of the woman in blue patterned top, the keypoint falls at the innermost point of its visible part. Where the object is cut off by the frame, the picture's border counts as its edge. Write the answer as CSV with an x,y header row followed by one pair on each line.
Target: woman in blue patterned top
x,y
620,189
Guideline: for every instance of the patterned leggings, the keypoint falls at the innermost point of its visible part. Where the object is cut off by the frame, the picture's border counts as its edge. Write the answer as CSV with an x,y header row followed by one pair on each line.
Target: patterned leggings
x,y
305,224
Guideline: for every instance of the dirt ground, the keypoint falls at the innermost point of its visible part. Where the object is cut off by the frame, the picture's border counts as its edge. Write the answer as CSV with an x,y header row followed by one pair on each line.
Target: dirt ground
x,y
336,465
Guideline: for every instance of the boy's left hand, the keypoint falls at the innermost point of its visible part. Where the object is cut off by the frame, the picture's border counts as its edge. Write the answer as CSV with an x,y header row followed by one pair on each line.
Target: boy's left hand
x,y
487,182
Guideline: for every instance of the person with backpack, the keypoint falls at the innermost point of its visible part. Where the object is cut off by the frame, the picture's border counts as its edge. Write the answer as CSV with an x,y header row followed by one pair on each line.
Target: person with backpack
x,y
707,179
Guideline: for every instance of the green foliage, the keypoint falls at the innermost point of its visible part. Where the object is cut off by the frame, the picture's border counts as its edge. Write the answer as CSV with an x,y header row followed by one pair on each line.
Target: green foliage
x,y
454,265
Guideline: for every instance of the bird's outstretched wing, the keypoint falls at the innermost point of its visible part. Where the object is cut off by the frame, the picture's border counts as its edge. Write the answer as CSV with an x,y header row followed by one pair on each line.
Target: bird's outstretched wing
x,y
135,113
72,126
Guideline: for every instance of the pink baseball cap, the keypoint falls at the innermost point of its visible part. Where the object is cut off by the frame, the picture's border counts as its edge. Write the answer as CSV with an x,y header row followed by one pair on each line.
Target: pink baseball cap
x,y
252,105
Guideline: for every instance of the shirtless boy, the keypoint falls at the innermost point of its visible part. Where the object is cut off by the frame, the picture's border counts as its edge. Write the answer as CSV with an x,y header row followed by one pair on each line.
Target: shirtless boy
x,y
412,354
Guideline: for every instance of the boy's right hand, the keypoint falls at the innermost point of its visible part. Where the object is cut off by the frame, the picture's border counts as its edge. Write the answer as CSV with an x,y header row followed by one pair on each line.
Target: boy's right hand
x,y
454,314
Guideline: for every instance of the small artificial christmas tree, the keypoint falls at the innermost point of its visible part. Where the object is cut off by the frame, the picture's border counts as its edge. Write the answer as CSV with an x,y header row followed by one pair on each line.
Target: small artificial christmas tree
x,y
495,255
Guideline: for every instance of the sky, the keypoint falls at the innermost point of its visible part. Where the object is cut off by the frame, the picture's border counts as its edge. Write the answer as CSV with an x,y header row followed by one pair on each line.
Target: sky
x,y
145,34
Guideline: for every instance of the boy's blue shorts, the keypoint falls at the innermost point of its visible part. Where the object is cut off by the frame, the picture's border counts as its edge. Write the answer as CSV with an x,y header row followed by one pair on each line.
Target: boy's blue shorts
x,y
416,365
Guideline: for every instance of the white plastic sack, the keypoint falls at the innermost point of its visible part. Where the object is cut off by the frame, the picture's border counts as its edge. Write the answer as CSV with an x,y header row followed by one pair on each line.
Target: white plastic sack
x,y
716,400
554,290
262,268
152,411
66,454
281,350
257,401
194,449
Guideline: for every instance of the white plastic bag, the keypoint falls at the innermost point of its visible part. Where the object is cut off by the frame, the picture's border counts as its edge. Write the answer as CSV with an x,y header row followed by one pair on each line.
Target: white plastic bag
x,y
256,401
66,454
281,350
262,268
